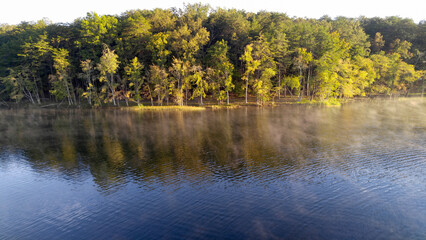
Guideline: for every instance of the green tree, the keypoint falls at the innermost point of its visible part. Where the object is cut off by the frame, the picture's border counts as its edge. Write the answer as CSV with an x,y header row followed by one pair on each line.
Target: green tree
x,y
96,30
19,84
222,69
161,20
201,85
157,45
177,40
37,57
133,34
61,83
292,83
354,76
136,26
232,26
262,86
107,67
402,48
189,37
364,75
352,32
251,66
279,46
159,78
134,71
328,67
265,72
179,71
90,90
393,74
378,43
302,61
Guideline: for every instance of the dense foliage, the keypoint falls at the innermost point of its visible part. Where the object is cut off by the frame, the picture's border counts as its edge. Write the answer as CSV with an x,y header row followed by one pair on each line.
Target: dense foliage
x,y
172,56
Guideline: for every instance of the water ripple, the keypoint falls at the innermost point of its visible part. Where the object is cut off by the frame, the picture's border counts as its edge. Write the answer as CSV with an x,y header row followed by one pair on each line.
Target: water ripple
x,y
294,172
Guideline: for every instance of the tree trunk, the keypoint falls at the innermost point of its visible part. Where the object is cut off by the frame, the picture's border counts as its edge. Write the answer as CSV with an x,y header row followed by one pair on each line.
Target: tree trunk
x,y
29,96
285,91
180,92
69,95
150,95
137,93
73,93
279,82
37,96
112,88
90,90
301,85
180,97
227,97
218,94
307,84
113,98
289,91
247,86
201,93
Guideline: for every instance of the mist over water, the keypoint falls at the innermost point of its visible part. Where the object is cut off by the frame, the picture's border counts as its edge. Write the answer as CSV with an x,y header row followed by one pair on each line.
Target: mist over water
x,y
290,172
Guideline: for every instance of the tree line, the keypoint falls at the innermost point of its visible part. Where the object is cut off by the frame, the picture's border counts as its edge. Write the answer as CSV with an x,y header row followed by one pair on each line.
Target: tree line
x,y
172,56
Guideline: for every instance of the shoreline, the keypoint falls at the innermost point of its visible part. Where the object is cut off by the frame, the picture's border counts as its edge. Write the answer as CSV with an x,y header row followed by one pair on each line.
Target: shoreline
x,y
209,104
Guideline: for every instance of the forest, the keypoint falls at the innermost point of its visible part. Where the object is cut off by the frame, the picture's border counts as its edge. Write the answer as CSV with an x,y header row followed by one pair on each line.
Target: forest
x,y
196,53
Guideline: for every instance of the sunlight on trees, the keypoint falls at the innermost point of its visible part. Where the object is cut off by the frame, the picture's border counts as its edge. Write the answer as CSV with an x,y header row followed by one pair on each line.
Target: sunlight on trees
x,y
209,55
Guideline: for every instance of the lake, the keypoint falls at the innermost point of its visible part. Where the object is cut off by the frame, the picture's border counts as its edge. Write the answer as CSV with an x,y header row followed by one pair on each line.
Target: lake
x,y
290,172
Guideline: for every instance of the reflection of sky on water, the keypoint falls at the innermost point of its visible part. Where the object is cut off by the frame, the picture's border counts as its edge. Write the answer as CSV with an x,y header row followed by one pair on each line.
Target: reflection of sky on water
x,y
287,172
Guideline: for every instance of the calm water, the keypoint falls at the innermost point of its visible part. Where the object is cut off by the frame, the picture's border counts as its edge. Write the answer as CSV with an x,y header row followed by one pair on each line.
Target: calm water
x,y
291,172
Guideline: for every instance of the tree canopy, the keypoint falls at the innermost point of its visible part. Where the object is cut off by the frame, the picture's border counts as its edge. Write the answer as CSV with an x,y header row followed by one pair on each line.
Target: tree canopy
x,y
176,55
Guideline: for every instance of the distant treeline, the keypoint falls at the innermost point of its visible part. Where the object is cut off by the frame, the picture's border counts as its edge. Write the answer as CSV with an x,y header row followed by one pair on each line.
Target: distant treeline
x,y
175,55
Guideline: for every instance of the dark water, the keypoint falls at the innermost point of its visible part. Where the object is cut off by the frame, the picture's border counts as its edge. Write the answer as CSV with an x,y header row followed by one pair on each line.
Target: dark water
x,y
292,172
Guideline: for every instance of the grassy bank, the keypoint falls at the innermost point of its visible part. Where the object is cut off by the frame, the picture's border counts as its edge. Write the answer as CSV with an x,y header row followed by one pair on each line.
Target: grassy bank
x,y
236,102
327,102
165,108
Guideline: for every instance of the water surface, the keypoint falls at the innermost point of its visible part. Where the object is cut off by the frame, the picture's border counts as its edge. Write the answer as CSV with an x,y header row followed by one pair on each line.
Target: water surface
x,y
291,172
